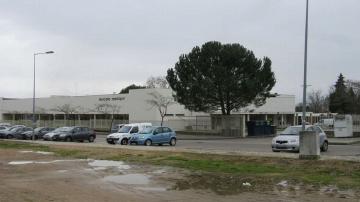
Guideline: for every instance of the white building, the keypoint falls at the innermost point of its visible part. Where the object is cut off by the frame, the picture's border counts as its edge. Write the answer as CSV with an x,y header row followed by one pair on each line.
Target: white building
x,y
98,111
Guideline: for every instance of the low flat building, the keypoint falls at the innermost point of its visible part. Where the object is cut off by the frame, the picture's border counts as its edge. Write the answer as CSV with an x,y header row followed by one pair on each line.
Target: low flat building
x,y
101,111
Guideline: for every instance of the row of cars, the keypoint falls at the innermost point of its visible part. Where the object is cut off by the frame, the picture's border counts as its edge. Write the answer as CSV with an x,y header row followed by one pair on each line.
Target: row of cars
x,y
73,133
142,134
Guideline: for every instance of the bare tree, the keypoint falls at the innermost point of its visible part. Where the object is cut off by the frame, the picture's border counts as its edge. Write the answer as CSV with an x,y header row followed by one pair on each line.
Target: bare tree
x,y
317,102
161,103
157,82
108,109
67,109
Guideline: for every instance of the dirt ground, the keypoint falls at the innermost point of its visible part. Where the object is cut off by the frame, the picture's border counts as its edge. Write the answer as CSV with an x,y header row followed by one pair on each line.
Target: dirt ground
x,y
36,176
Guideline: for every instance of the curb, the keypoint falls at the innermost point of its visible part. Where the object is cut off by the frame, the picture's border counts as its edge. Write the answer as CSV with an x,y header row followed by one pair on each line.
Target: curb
x,y
344,143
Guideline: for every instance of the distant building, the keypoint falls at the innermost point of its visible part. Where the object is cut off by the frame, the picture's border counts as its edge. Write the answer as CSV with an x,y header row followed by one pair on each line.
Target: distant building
x,y
89,110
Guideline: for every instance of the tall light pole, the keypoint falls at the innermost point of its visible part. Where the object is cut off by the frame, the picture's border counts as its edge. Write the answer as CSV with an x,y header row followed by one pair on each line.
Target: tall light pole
x,y
305,67
33,115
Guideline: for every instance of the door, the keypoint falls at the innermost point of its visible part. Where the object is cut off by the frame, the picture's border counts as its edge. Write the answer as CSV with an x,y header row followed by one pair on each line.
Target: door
x,y
76,133
134,130
165,137
156,137
321,134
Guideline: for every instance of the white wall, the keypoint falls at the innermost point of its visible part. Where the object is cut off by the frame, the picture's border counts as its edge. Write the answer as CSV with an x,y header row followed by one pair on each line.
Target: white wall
x,y
134,104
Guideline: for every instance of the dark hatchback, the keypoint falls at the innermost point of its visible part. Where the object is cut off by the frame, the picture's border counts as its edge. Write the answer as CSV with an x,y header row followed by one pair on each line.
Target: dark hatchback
x,y
14,132
74,133
38,133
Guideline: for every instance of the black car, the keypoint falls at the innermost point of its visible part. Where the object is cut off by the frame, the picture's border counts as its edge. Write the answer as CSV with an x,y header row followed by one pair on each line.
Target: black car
x,y
8,133
38,133
17,132
74,133
41,131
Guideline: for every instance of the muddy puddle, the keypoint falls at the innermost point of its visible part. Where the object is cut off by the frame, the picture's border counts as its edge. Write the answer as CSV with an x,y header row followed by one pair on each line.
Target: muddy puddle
x,y
129,179
116,177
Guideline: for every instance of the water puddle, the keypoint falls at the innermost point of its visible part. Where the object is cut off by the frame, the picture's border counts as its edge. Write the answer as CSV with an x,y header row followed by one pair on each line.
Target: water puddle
x,y
103,164
20,162
152,188
41,162
129,179
38,152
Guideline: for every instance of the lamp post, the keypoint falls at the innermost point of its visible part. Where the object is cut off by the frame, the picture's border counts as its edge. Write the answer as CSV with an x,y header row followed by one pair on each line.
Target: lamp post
x,y
33,115
305,67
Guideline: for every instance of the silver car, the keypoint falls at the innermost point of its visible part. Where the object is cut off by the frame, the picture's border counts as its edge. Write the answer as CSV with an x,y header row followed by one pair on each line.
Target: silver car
x,y
288,140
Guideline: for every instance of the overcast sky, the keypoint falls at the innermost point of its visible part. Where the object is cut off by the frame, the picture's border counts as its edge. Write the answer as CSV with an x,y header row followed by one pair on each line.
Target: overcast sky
x,y
102,46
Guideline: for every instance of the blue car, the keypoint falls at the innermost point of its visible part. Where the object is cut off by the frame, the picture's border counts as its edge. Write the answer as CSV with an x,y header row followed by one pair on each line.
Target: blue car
x,y
154,135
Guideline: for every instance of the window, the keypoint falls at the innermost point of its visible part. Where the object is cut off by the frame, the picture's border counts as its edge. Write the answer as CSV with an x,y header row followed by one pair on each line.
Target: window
x,y
84,129
134,129
318,130
157,131
166,130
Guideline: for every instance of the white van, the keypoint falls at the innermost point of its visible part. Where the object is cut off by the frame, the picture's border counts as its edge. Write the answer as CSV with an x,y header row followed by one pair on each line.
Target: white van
x,y
125,132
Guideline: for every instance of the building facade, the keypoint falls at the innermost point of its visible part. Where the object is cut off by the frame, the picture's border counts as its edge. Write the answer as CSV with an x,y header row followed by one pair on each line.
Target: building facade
x,y
101,111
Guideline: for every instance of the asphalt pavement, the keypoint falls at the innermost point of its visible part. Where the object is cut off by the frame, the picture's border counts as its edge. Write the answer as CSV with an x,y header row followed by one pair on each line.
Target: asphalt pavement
x,y
250,144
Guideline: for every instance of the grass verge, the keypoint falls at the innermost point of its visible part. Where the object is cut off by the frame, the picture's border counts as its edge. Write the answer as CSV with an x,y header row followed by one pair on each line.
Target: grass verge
x,y
261,171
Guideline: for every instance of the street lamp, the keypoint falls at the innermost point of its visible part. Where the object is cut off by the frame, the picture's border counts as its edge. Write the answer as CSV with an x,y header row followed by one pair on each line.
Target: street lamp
x,y
33,115
305,67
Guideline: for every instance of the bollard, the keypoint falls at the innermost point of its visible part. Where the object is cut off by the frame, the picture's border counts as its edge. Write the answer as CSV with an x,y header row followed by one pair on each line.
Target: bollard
x,y
309,145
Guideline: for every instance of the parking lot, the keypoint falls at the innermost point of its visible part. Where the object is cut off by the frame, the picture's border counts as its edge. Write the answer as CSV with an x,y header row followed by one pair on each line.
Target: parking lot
x,y
240,146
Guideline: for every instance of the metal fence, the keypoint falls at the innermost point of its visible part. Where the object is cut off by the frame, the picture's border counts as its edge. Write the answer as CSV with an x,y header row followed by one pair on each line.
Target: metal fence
x,y
193,123
356,122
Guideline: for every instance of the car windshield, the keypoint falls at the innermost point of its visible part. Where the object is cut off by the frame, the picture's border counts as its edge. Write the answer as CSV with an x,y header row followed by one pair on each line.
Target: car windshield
x,y
13,129
63,129
291,131
146,130
124,129
38,129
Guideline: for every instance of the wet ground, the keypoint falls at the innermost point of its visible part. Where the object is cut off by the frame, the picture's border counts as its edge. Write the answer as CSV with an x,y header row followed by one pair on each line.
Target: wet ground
x,y
42,176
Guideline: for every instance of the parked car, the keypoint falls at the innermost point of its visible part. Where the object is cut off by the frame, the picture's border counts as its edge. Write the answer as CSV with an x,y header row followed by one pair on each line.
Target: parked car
x,y
16,132
38,133
288,140
125,132
5,124
4,127
41,131
154,135
74,133
116,128
8,133
23,132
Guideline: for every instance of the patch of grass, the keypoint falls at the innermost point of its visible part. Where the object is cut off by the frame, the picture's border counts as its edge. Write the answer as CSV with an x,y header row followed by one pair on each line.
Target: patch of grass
x,y
22,145
260,170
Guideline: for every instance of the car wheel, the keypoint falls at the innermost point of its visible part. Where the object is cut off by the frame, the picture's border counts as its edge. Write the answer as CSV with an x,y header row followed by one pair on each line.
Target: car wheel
x,y
325,146
160,144
68,139
124,141
173,142
147,142
91,139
